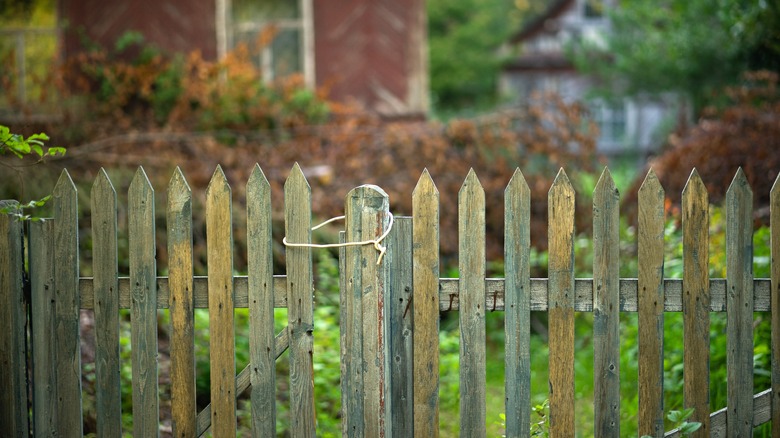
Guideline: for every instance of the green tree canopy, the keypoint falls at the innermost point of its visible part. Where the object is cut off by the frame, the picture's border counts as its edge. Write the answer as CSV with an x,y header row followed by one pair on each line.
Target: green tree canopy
x,y
693,47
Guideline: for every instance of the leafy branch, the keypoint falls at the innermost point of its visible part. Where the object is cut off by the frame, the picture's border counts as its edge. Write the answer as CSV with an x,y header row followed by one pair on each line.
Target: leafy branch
x,y
22,146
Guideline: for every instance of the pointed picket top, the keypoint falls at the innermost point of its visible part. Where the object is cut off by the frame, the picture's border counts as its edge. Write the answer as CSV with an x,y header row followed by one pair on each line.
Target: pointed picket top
x,y
517,185
775,191
218,182
651,187
64,185
297,178
471,185
140,181
257,177
178,182
694,184
739,185
605,186
102,185
179,192
425,184
561,184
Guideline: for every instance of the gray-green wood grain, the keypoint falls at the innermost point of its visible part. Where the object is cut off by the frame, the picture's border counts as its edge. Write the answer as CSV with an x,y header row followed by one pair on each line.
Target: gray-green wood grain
x,y
222,350
517,244
351,354
471,265
560,213
774,220
41,266
606,307
399,256
243,382
66,296
181,303
739,306
425,306
696,302
106,305
261,304
650,285
13,317
143,332
297,219
367,218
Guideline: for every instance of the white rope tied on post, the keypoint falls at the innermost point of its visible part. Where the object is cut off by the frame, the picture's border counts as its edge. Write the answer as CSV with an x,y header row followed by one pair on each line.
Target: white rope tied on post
x,y
376,242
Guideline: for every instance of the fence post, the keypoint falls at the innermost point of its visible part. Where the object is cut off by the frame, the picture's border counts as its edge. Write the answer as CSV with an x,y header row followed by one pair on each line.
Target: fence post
x,y
13,381
367,217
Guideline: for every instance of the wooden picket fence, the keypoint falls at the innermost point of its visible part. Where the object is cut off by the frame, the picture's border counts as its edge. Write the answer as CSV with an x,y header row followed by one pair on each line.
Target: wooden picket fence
x,y
390,308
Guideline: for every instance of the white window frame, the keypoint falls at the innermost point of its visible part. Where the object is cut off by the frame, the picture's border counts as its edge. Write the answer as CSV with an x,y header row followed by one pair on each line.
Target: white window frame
x,y
226,29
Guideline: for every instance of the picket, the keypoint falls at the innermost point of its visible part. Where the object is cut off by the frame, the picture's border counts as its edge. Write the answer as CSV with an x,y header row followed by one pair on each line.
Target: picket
x,y
696,302
399,317
297,221
261,304
650,286
517,246
471,264
143,311
41,257
606,307
560,213
66,313
106,304
219,241
425,306
179,220
13,395
739,307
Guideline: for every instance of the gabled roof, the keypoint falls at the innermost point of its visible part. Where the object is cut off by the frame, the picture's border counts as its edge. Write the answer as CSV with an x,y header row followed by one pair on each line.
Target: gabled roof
x,y
536,26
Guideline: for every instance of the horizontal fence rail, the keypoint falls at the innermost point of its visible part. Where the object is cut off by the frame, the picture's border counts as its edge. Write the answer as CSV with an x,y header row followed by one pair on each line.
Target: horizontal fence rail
x,y
391,299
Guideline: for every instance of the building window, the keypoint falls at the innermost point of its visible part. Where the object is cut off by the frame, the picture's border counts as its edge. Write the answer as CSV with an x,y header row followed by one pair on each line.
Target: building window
x,y
593,9
611,120
278,33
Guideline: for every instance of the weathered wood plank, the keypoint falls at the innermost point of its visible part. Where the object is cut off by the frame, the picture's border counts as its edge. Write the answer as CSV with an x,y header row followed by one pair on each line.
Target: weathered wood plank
x,y
367,217
179,219
243,381
762,406
651,306
350,325
261,304
560,213
66,313
399,256
471,265
425,306
143,332
739,308
13,317
448,294
106,305
222,349
606,312
297,218
696,301
774,213
517,244
41,261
